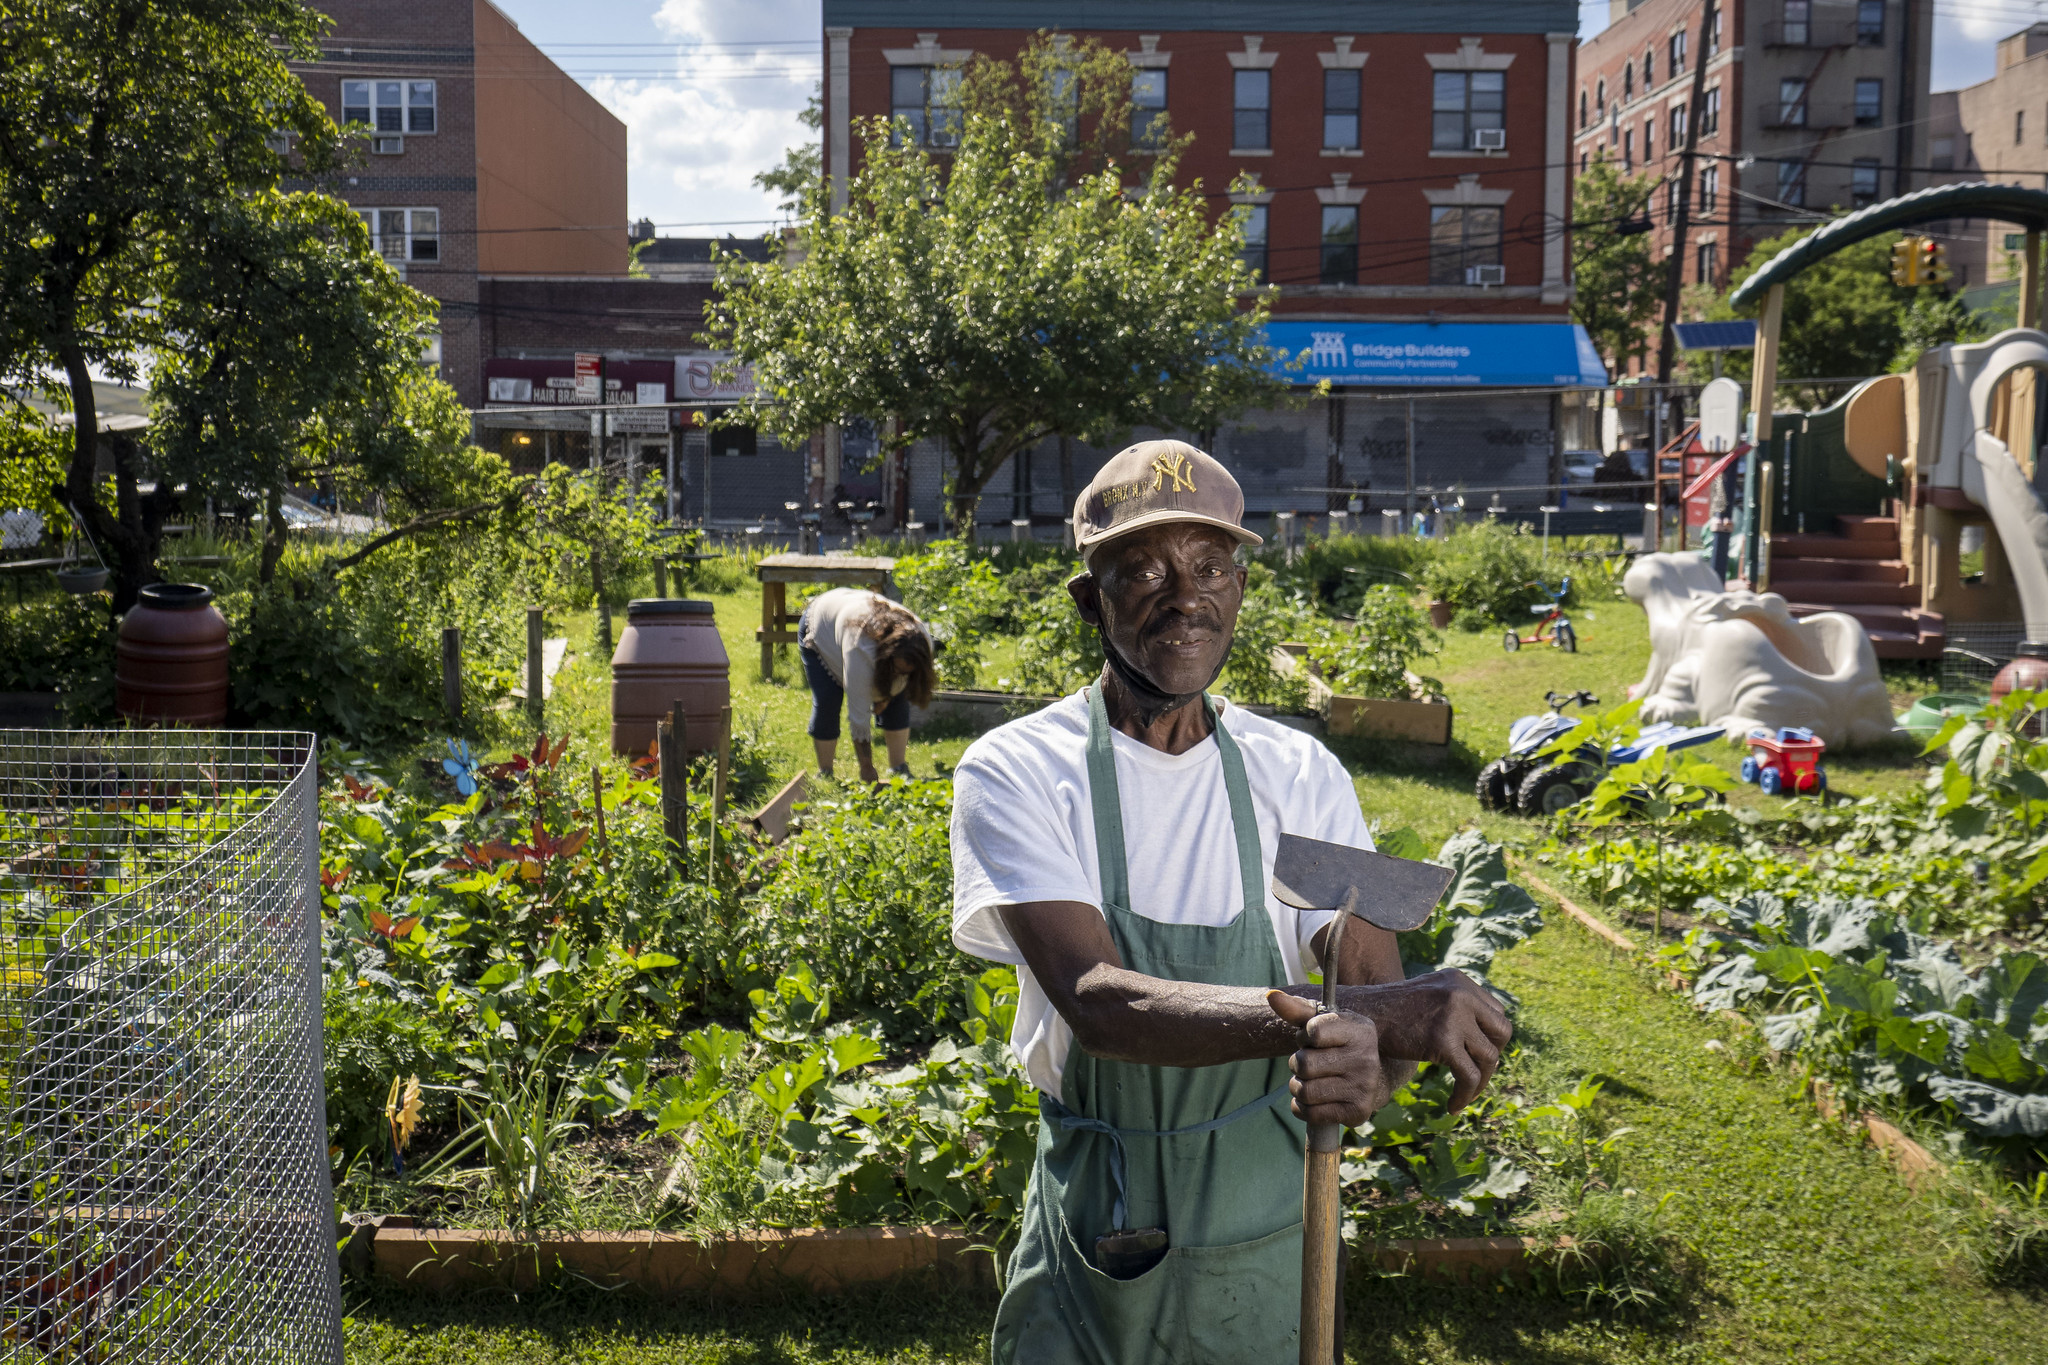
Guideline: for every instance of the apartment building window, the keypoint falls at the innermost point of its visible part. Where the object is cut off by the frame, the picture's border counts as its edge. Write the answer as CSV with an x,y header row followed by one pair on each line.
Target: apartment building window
x,y
1628,83
1676,66
1585,163
1710,113
1863,180
1792,183
403,235
430,351
1869,100
1628,151
1941,153
1600,99
1870,23
2019,126
1340,244
1584,122
1462,236
1341,89
1792,102
1466,102
1798,26
1714,34
1649,138
389,106
1252,110
927,98
1677,124
1710,190
1649,70
1707,265
1254,253
1148,107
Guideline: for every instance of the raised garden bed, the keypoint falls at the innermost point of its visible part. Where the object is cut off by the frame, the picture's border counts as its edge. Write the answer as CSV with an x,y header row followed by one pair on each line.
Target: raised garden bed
x,y
817,1260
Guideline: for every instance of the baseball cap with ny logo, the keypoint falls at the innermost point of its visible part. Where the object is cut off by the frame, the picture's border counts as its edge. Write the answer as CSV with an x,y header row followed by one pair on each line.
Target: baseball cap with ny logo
x,y
1154,482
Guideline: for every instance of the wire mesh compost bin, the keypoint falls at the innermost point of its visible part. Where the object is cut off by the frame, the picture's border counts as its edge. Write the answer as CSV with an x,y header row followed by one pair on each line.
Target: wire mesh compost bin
x,y
164,1193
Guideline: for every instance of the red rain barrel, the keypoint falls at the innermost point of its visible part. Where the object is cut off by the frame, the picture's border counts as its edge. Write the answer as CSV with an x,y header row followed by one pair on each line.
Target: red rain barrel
x,y
171,657
670,652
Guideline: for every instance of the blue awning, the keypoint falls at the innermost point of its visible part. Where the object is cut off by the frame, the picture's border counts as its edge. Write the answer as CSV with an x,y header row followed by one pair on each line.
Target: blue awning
x,y
1449,354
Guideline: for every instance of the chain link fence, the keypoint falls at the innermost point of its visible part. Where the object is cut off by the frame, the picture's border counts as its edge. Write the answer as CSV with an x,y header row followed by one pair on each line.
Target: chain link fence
x,y
164,1190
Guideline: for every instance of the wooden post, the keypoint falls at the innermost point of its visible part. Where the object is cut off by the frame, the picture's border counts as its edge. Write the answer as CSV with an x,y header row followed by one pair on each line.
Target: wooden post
x,y
675,785
661,578
774,601
451,673
604,607
2030,280
1763,384
536,666
720,772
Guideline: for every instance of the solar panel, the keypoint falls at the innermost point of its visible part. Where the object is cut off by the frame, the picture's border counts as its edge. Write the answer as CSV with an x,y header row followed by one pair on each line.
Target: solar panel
x,y
1739,335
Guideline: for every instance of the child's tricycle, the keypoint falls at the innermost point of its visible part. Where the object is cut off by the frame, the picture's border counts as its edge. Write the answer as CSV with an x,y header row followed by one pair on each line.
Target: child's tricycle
x,y
1785,763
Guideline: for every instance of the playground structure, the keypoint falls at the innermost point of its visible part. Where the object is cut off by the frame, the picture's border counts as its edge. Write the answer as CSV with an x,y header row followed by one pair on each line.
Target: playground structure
x,y
1863,505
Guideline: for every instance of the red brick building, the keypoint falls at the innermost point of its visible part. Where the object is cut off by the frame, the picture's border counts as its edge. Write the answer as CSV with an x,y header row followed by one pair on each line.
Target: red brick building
x,y
1808,107
1412,204
486,161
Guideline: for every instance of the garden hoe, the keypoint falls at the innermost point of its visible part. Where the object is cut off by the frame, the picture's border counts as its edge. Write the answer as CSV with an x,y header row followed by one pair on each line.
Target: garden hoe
x,y
1396,894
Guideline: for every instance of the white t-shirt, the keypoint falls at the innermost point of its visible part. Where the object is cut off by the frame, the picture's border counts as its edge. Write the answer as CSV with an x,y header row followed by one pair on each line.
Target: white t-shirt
x,y
1024,831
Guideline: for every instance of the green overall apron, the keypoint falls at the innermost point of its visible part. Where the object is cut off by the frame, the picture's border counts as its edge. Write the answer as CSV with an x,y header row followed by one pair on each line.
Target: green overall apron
x,y
1211,1154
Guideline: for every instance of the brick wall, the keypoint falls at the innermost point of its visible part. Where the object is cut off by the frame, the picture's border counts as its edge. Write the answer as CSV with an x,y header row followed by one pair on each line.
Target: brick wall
x,y
1401,175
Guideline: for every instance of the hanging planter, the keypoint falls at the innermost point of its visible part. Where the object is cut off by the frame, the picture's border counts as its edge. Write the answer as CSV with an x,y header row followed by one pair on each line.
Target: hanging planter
x,y
83,582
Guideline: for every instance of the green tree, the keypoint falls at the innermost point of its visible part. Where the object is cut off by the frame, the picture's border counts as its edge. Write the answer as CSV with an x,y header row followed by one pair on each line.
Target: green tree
x,y
1843,315
1617,284
291,355
1040,279
139,179
802,170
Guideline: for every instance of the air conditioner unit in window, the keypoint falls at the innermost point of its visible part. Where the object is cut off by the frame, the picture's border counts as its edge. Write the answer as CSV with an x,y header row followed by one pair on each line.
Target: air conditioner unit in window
x,y
387,146
1484,275
1489,139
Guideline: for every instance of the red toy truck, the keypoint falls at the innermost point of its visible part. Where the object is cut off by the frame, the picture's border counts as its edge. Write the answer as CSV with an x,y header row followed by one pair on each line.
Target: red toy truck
x,y
1788,763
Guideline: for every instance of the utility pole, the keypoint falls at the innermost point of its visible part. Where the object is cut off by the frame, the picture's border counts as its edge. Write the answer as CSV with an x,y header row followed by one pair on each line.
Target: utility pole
x,y
1674,269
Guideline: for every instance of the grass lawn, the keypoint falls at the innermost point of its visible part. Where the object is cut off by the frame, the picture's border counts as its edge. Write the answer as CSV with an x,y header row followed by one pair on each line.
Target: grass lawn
x,y
1797,1244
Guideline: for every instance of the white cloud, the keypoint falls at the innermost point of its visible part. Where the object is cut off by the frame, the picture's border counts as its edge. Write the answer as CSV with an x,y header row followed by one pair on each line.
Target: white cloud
x,y
695,143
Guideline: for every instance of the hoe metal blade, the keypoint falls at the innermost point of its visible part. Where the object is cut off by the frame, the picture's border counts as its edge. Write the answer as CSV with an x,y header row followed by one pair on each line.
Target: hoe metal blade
x,y
1393,893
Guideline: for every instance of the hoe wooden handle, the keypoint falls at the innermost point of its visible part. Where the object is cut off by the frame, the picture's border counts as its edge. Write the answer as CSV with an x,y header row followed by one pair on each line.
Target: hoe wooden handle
x,y
1321,1244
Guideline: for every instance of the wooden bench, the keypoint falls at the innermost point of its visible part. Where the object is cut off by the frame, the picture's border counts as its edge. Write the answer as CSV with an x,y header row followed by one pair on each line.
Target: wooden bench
x,y
777,572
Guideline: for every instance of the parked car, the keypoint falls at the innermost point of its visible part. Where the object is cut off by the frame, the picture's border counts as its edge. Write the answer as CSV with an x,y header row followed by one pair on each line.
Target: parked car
x,y
1580,465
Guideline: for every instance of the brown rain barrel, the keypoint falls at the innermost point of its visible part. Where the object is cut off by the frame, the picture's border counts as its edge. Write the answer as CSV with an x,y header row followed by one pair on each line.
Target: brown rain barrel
x,y
171,658
670,652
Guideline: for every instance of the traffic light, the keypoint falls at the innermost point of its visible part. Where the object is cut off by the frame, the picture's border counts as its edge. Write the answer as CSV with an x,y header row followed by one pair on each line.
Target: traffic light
x,y
1906,261
1932,259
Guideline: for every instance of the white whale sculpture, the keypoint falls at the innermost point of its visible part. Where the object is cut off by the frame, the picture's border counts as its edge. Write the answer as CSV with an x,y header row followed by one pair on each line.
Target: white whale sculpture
x,y
1740,660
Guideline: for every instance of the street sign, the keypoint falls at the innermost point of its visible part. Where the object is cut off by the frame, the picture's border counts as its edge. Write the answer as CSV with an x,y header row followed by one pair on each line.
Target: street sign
x,y
589,378
1720,415
629,423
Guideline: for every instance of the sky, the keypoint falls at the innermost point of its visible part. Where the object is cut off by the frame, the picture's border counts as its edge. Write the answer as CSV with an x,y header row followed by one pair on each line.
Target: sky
x,y
710,90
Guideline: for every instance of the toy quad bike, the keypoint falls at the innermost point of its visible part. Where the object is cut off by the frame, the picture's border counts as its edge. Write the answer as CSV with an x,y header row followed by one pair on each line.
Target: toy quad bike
x,y
1521,781
1553,627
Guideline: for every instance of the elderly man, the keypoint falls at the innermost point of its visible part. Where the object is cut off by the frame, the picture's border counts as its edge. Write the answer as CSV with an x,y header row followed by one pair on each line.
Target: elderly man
x,y
1117,847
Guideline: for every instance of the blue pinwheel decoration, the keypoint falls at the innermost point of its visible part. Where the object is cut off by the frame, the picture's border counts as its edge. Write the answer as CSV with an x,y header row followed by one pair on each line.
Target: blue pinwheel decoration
x,y
461,765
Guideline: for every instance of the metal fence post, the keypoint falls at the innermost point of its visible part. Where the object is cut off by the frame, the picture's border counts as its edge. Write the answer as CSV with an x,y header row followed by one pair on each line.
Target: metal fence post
x,y
451,673
536,666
